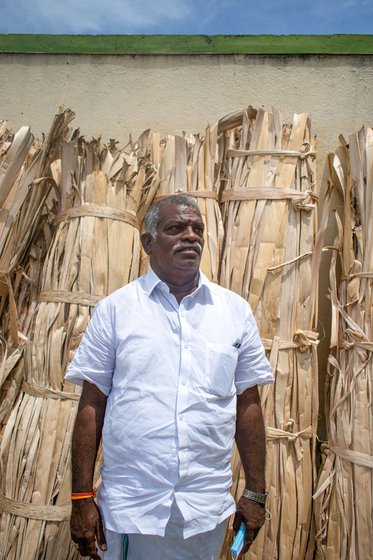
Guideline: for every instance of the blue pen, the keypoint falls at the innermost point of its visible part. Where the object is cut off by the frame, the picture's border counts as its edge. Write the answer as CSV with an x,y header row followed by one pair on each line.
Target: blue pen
x,y
238,542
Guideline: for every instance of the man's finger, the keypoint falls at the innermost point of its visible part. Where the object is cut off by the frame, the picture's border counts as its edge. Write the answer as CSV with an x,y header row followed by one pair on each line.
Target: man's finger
x,y
82,547
87,545
238,519
101,540
250,536
92,551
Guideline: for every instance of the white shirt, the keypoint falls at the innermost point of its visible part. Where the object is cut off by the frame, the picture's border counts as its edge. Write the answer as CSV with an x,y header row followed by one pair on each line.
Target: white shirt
x,y
171,373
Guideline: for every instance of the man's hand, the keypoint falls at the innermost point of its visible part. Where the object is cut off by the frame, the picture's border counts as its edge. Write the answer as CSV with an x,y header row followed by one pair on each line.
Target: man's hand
x,y
251,444
87,528
252,514
86,522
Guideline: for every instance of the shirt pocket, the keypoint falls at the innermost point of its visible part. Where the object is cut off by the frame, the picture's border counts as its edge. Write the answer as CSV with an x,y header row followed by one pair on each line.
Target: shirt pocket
x,y
220,368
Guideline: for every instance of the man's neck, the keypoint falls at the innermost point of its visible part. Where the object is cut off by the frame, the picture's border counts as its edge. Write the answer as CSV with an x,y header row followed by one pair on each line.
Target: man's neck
x,y
181,291
180,285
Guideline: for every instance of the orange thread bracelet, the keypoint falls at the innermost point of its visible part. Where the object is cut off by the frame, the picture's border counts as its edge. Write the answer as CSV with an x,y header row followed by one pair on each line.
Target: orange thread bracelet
x,y
83,495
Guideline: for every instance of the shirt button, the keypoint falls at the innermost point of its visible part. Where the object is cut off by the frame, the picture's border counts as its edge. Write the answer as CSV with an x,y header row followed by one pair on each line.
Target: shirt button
x,y
186,346
181,417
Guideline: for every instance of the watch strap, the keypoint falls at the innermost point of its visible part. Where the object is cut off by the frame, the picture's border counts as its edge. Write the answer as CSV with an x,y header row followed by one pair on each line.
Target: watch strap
x,y
255,496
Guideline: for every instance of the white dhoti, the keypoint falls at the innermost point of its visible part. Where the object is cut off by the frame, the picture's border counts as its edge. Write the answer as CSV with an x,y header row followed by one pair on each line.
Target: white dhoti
x,y
173,546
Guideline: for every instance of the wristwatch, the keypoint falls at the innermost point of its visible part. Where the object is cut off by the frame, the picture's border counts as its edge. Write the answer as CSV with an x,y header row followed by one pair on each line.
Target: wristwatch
x,y
255,496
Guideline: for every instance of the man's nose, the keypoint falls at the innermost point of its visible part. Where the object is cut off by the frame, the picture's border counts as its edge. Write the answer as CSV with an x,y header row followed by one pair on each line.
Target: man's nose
x,y
190,234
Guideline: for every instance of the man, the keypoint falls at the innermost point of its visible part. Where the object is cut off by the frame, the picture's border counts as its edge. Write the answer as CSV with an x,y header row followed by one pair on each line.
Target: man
x,y
170,366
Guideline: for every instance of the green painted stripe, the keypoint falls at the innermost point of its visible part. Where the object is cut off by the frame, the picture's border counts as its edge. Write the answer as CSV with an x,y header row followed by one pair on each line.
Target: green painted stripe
x,y
187,44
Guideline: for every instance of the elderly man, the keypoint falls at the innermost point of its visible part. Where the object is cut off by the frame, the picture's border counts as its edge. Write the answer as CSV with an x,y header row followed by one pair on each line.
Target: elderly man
x,y
170,366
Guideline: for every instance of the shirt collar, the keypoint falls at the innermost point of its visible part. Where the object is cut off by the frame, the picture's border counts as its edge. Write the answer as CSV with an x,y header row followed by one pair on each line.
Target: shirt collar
x,y
151,281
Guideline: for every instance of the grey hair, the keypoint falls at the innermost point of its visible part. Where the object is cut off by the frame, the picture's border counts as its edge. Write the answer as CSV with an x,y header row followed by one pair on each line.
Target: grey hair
x,y
151,219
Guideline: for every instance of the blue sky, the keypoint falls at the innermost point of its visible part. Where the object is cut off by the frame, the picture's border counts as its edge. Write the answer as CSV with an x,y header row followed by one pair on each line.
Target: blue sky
x,y
186,16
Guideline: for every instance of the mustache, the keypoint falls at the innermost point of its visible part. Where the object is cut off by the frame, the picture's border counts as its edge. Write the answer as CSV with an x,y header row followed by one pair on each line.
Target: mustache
x,y
197,247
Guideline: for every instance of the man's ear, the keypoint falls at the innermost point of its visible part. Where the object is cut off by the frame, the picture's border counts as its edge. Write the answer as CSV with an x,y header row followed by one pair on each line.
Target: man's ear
x,y
146,240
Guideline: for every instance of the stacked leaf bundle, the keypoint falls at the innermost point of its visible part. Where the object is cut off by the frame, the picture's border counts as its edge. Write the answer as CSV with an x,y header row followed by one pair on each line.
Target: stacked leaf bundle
x,y
269,257
189,165
343,501
95,250
26,191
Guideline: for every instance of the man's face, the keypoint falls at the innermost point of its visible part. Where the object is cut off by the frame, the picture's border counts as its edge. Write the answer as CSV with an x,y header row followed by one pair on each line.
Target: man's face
x,y
179,242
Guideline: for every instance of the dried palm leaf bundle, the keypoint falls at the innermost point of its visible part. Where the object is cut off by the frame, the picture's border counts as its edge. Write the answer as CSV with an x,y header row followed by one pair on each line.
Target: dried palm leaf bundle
x,y
26,187
188,165
95,250
343,500
269,258
15,159
147,150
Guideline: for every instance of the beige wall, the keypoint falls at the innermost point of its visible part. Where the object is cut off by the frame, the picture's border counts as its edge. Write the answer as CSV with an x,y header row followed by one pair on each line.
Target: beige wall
x,y
113,95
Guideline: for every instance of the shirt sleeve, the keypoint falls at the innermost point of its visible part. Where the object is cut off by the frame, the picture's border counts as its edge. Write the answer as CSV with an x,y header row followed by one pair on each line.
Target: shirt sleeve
x,y
253,367
94,360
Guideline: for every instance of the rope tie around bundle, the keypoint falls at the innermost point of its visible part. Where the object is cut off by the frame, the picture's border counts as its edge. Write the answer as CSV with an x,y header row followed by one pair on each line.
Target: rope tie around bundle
x,y
65,296
307,203
356,339
194,194
302,200
35,511
288,263
347,345
355,457
305,339
352,275
291,436
47,392
302,340
307,152
276,433
98,211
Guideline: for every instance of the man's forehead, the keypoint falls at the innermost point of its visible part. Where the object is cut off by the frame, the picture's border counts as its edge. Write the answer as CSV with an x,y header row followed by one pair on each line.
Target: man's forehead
x,y
178,212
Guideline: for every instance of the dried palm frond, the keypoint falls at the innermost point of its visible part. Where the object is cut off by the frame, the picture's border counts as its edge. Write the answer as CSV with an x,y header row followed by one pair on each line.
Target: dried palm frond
x,y
343,500
26,187
270,217
94,251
